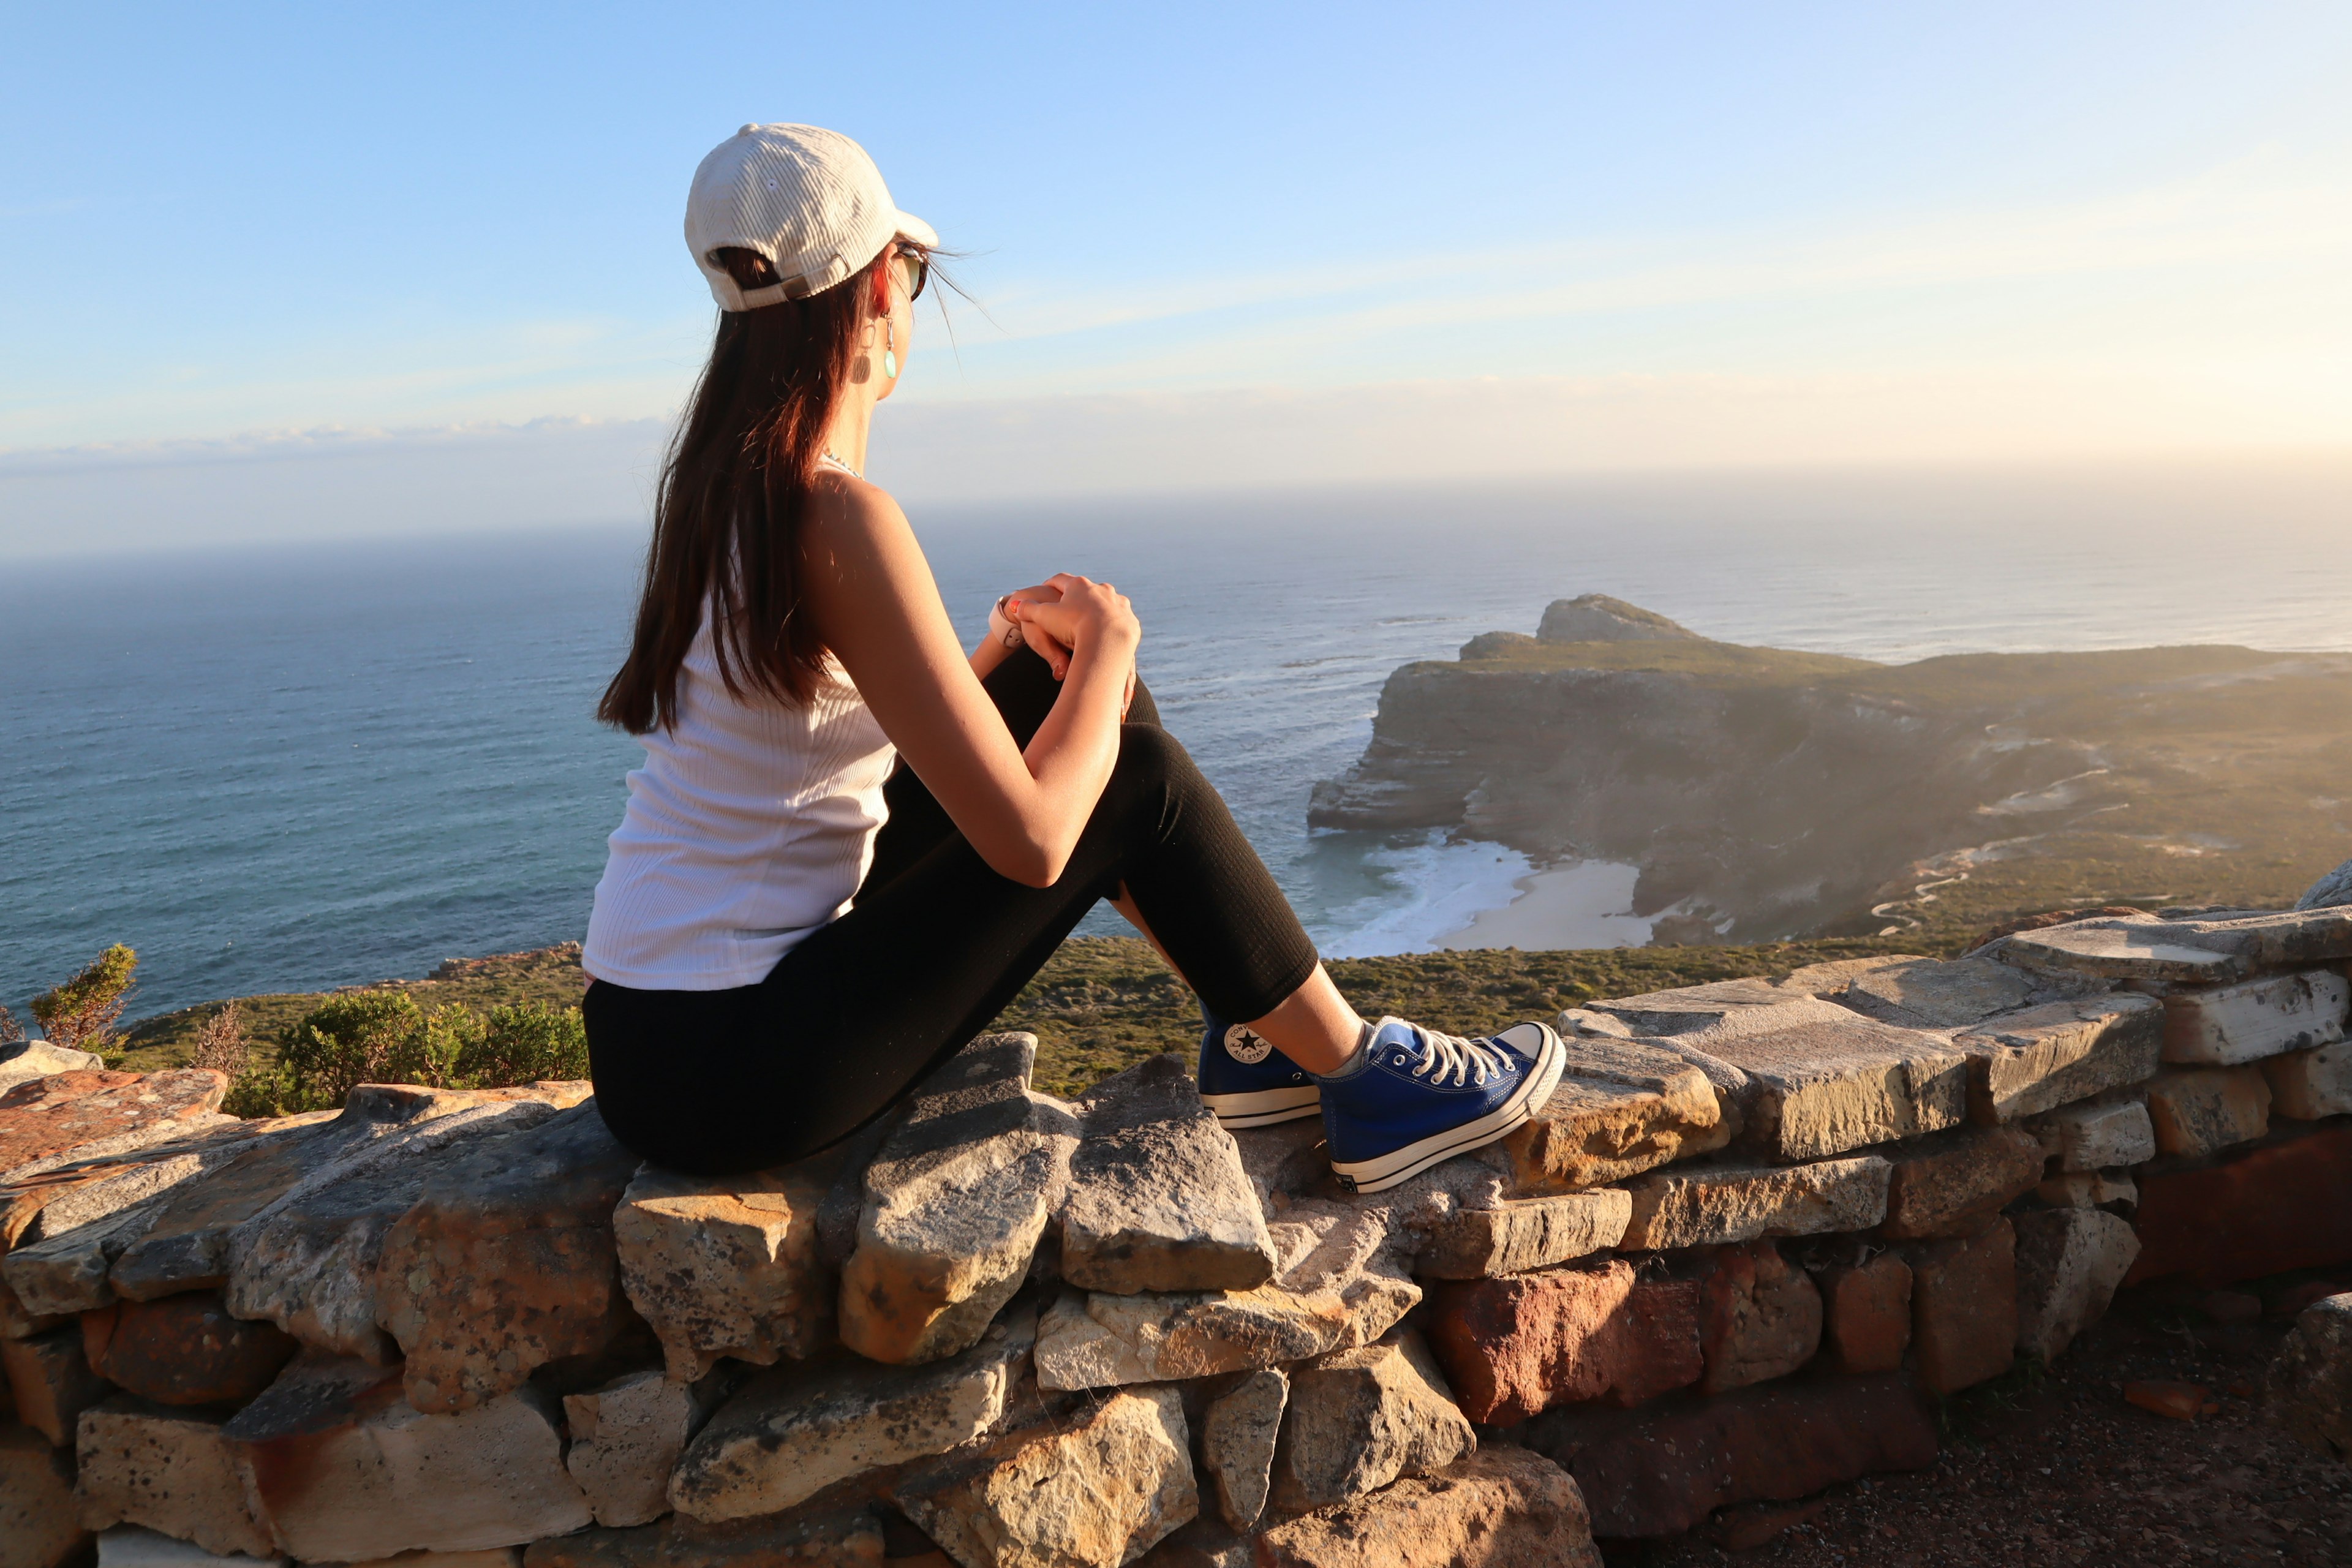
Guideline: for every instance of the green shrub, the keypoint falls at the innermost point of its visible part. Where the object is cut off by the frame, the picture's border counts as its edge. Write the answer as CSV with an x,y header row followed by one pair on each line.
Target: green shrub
x,y
528,1041
365,1036
383,1036
82,1012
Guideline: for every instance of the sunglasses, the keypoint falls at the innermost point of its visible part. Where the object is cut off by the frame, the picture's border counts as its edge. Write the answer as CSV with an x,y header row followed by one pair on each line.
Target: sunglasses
x,y
916,266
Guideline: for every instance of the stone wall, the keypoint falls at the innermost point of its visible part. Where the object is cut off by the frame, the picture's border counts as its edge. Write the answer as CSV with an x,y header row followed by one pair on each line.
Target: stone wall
x,y
1760,1227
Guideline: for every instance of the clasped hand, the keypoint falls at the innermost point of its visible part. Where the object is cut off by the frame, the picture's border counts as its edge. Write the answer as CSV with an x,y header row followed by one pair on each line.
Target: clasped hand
x,y
1067,612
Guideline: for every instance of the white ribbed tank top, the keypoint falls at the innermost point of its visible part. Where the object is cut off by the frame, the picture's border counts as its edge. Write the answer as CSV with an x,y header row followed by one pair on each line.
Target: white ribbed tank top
x,y
749,825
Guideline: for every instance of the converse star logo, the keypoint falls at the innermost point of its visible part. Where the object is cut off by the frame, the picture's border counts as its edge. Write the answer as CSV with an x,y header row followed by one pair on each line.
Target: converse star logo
x,y
1244,1047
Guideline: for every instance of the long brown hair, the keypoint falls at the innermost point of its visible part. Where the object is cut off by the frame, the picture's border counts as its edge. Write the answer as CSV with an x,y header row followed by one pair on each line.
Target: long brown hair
x,y
733,490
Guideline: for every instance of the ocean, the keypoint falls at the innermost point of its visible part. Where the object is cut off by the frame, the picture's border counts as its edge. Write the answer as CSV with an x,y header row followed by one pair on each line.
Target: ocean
x,y
294,768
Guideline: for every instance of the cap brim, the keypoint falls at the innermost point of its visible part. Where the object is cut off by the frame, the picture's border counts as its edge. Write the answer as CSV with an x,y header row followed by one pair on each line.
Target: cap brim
x,y
915,228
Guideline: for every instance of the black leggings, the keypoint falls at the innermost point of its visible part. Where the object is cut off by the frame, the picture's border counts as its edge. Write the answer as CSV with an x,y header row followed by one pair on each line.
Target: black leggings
x,y
718,1082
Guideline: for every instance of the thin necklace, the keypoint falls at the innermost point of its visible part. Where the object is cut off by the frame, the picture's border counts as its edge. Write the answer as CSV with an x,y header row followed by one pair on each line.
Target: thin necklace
x,y
836,462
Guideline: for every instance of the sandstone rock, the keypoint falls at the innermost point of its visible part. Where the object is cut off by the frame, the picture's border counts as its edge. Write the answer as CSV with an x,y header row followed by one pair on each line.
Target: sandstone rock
x,y
1623,1106
2048,1055
1093,1489
1238,1440
1866,1309
1515,1346
1952,1183
1963,1308
184,1350
29,1060
2203,1110
1339,1285
2098,1137
627,1438
345,1473
1358,1419
2229,1025
1597,617
90,1113
955,1204
796,1431
728,1266
2088,1189
37,1524
2267,1211
50,1382
1759,1318
2308,1085
2069,1262
2195,951
505,1262
2309,1388
130,1546
1705,1205
2331,891
307,1261
1661,1470
1830,1081
1524,1234
1157,1198
1928,993
846,1540
169,1471
1716,1008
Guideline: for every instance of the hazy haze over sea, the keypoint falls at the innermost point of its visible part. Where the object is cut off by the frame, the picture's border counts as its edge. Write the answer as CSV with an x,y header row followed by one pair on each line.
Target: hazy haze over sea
x,y
300,767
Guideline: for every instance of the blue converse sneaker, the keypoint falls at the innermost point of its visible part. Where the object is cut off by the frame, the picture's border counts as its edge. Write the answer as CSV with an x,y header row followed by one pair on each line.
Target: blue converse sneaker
x,y
1413,1097
1247,1081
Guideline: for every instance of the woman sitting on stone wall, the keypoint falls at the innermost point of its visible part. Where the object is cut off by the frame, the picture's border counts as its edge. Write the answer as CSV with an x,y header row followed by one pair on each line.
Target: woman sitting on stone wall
x,y
851,844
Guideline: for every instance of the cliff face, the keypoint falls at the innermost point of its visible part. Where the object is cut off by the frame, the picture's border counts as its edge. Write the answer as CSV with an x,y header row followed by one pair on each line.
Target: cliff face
x,y
1770,793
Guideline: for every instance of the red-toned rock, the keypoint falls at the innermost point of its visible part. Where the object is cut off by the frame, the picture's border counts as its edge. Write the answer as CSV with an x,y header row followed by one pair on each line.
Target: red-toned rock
x,y
50,1382
845,1540
65,1111
1501,1507
38,1528
2268,1211
184,1350
1952,1183
1760,1318
1514,1346
1963,1308
2174,1401
1868,1311
165,1470
1661,1471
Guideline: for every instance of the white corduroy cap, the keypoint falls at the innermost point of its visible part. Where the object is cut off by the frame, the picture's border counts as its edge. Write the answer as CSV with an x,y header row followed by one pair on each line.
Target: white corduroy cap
x,y
809,200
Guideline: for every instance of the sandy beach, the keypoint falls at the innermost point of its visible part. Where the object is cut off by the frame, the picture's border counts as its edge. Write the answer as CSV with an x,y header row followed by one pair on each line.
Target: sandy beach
x,y
1580,904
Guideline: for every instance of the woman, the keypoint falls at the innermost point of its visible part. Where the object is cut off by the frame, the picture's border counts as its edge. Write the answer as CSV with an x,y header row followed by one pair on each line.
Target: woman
x,y
852,843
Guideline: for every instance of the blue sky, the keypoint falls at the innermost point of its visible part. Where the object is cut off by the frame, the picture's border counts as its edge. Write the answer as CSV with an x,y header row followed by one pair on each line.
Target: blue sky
x,y
1280,243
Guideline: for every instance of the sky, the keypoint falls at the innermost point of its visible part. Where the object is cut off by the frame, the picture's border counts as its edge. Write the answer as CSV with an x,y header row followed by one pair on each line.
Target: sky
x,y
281,271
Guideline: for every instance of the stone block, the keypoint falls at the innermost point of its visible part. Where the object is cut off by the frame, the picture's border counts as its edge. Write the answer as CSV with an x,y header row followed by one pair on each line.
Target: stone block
x,y
38,1526
50,1383
1952,1183
28,1060
1963,1308
1623,1106
307,1260
2228,1024
2308,1390
1822,1080
1524,1234
1866,1312
184,1350
1710,1205
1719,1007
2191,951
956,1202
2088,1189
2069,1262
1237,1440
1758,1317
797,1429
728,1266
2265,1212
88,1114
1930,994
2203,1110
2022,1063
2098,1137
131,1546
1514,1346
344,1471
1359,1419
168,1470
850,1538
628,1437
1339,1285
1157,1199
504,1261
2309,1085
1661,1470
1095,1489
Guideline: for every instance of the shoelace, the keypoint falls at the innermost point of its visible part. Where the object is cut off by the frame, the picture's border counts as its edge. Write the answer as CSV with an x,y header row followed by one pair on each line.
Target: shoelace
x,y
1444,1054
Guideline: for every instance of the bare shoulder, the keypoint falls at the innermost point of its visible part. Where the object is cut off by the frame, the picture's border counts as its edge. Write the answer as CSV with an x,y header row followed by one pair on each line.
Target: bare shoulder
x,y
850,521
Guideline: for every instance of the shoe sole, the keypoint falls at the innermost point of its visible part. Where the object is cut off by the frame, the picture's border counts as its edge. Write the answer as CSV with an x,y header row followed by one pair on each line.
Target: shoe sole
x,y
1403,1164
1266,1107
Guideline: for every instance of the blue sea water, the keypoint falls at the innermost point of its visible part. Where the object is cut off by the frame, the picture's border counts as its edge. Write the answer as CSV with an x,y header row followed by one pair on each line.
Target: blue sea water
x,y
297,768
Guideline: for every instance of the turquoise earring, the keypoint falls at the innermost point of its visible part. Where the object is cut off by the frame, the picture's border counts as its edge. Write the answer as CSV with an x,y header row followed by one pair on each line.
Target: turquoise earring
x,y
890,350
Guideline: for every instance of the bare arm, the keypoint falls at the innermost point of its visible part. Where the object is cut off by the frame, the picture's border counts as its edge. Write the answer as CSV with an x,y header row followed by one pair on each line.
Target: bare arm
x,y
878,609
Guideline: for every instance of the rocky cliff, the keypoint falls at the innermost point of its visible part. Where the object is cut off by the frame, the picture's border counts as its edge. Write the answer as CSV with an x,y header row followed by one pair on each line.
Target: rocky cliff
x,y
1765,793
